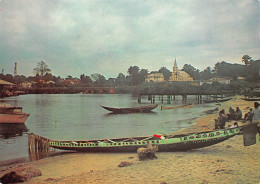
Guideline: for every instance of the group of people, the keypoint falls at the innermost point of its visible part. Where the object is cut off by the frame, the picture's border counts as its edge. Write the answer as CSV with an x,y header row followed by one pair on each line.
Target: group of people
x,y
253,116
220,123
234,114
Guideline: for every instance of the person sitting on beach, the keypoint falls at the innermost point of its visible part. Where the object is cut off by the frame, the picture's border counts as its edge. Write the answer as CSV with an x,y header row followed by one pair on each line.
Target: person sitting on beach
x,y
238,114
248,116
232,114
221,121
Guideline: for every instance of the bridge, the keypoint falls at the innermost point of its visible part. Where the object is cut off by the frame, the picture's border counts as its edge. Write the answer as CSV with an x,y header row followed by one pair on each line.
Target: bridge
x,y
169,98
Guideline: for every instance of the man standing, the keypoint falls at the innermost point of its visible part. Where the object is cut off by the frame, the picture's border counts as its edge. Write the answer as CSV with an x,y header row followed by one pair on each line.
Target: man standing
x,y
256,116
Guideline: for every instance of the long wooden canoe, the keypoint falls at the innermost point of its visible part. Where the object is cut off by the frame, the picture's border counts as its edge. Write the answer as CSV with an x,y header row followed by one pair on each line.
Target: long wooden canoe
x,y
251,99
218,100
165,143
177,107
139,109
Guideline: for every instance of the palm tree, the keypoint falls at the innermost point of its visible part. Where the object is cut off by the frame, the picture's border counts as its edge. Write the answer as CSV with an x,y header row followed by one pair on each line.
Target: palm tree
x,y
247,60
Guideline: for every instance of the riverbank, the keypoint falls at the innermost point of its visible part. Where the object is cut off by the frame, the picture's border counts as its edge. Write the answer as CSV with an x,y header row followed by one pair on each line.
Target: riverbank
x,y
226,162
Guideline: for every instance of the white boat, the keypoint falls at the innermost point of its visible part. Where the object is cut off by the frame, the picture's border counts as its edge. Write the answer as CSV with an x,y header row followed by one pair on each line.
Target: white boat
x,y
10,114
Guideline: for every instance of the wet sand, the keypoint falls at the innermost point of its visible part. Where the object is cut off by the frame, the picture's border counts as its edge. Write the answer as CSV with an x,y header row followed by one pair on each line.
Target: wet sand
x,y
226,162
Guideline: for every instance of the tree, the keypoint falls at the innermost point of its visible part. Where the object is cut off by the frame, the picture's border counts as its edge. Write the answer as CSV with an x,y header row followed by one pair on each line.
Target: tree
x,y
48,77
247,59
41,69
99,79
192,71
206,74
121,79
85,80
133,72
142,74
166,73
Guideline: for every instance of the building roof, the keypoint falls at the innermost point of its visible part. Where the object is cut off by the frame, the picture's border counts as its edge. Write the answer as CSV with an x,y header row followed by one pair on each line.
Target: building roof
x,y
2,82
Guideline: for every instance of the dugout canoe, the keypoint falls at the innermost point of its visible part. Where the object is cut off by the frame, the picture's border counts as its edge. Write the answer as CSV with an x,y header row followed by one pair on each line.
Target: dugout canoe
x,y
177,107
218,100
251,99
165,143
139,109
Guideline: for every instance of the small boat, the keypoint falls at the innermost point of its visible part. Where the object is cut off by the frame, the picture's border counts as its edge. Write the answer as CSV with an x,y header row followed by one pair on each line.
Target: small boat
x,y
139,109
211,111
251,99
165,143
9,114
218,100
177,107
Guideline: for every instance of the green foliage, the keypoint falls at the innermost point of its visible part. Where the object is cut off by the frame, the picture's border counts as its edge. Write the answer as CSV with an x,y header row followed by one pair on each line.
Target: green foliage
x,y
166,73
193,72
41,69
98,79
247,59
136,76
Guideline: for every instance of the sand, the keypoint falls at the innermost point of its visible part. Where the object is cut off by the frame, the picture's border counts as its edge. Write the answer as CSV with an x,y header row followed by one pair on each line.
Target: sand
x,y
226,162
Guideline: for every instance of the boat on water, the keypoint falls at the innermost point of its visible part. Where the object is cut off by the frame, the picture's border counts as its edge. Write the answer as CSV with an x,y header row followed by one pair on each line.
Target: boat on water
x,y
165,143
177,107
218,100
10,114
251,99
140,109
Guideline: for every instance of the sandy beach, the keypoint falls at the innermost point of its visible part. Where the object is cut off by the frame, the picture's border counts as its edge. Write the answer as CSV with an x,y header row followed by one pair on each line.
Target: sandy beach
x,y
226,162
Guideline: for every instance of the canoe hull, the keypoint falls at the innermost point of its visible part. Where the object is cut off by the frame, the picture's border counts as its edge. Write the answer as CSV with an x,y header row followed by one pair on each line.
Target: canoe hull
x,y
13,118
176,143
251,99
161,148
141,109
219,100
177,107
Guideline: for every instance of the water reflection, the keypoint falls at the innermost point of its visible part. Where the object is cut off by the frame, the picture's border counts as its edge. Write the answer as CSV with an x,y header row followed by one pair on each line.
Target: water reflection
x,y
42,154
12,130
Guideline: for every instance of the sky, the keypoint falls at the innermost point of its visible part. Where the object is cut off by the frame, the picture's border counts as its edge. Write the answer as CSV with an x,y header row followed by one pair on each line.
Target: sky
x,y
77,37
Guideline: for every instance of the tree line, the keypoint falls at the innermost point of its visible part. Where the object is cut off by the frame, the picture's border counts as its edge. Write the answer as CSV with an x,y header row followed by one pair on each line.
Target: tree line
x,y
250,70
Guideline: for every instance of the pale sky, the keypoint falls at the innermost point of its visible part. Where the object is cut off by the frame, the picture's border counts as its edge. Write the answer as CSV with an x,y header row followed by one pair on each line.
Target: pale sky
x,y
77,37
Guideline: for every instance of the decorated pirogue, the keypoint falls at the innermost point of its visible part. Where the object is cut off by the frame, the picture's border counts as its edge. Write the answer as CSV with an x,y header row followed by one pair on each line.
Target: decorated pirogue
x,y
165,143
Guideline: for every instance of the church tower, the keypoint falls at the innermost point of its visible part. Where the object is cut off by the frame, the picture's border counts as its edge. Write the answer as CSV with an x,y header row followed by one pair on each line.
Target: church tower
x,y
179,75
175,68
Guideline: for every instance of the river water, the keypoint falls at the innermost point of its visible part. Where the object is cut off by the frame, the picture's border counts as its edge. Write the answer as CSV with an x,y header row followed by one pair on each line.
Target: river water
x,y
80,117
